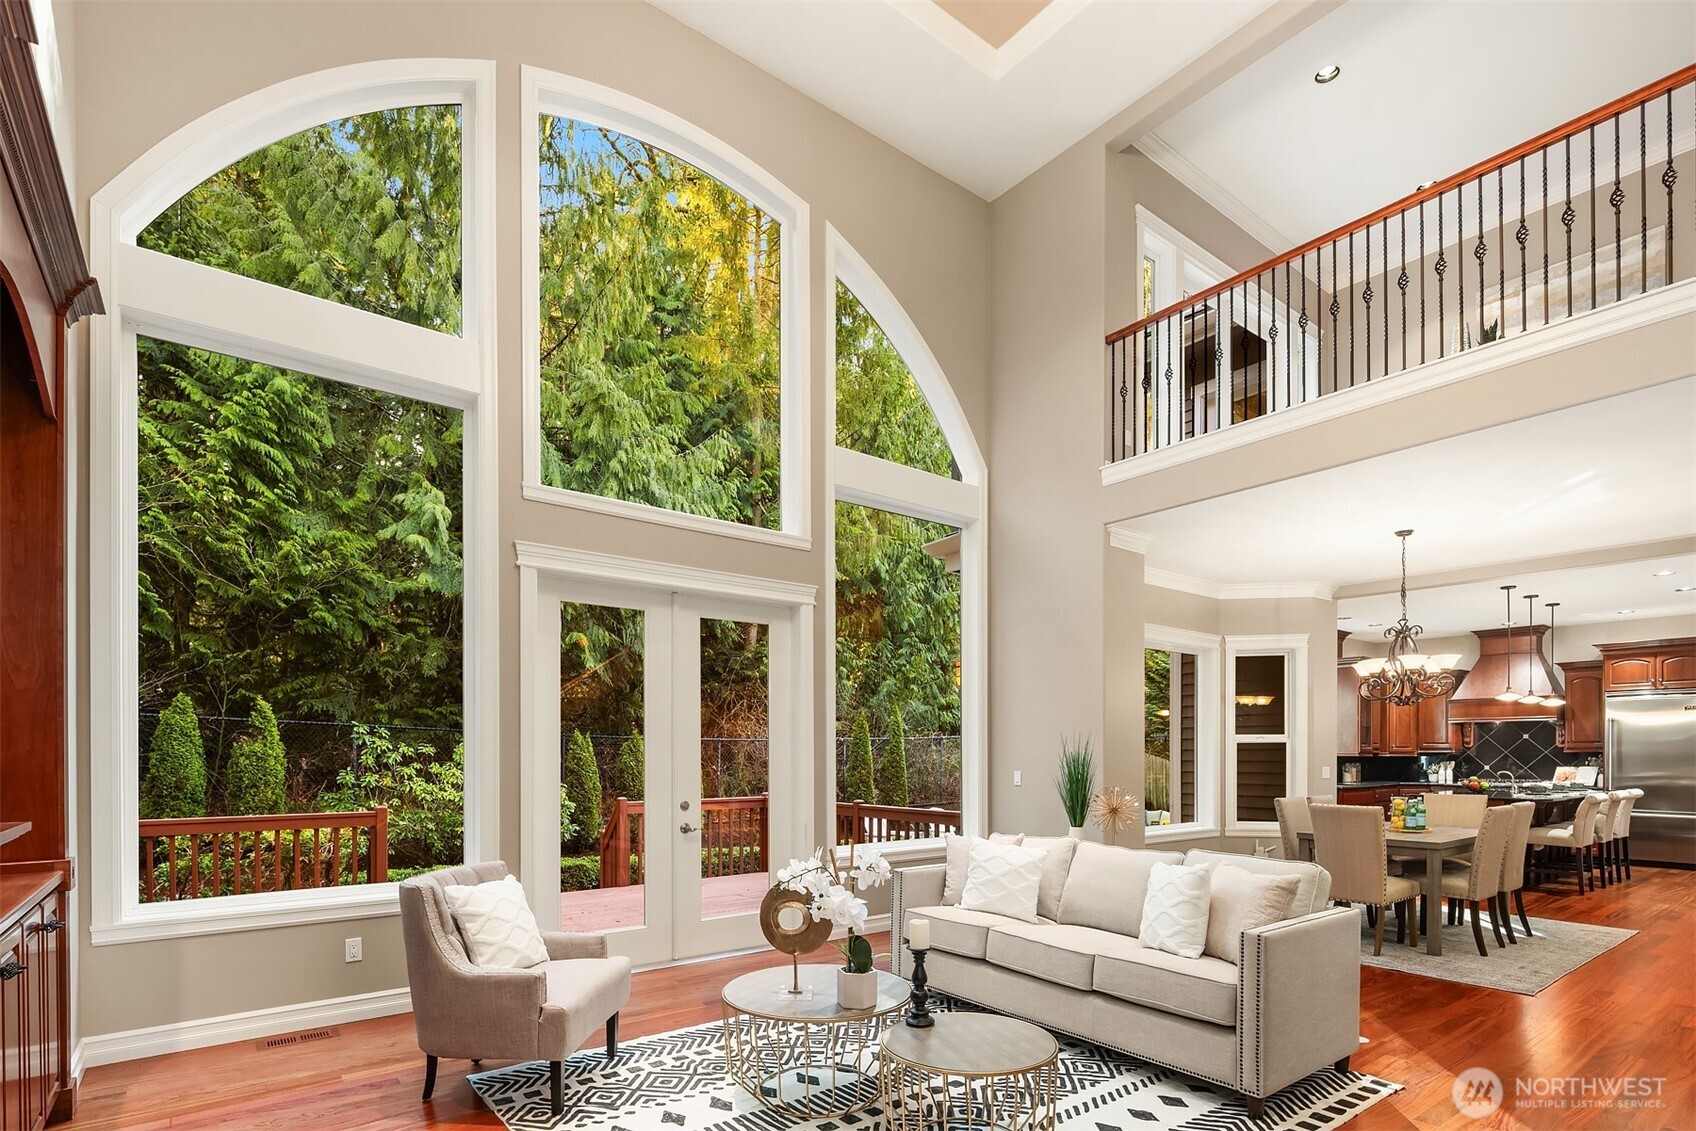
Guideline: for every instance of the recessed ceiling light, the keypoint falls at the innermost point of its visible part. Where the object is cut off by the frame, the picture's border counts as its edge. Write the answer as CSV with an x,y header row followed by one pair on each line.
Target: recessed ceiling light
x,y
1326,74
1624,612
1685,589
1345,618
1375,624
1663,573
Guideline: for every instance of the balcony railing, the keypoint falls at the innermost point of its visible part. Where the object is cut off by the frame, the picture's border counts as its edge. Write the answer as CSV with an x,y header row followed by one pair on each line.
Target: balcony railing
x,y
1580,217
201,857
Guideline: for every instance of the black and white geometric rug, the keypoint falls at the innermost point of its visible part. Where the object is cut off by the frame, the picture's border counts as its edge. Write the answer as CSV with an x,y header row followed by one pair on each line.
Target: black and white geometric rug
x,y
677,1080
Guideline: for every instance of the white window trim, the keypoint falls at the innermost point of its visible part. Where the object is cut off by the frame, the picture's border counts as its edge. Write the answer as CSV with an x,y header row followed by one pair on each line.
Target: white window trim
x,y
1294,649
1209,698
854,477
152,294
550,92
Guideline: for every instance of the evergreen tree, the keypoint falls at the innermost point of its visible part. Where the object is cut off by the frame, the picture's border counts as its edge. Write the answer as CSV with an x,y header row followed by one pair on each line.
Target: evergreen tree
x,y
857,775
254,779
628,773
582,783
175,785
892,767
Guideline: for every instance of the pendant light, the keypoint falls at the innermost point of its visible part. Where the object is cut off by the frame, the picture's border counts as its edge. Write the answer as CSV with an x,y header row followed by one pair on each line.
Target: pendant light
x,y
1406,675
1530,698
1509,695
1554,700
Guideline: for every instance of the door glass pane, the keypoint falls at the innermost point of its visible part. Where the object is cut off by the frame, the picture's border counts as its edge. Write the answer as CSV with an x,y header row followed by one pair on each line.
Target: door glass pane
x,y
735,766
603,764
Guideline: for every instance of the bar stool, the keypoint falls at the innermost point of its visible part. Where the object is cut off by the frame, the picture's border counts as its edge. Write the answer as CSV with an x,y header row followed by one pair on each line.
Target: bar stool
x,y
1607,832
1622,831
1577,836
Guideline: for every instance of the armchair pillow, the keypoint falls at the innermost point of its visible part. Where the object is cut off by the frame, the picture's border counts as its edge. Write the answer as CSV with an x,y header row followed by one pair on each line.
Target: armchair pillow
x,y
495,921
1239,901
1003,879
954,879
1174,913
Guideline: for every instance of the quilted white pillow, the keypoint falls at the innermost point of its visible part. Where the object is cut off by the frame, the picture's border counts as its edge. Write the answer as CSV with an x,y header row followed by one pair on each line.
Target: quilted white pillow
x,y
496,923
1174,913
954,878
1003,879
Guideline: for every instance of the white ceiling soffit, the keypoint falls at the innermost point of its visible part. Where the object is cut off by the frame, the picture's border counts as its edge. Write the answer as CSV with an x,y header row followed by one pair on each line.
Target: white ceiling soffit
x,y
1588,596
1427,89
983,117
1616,472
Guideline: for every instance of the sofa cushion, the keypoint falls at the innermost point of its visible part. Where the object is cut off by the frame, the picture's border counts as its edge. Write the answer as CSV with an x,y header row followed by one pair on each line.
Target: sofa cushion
x,y
1054,952
1106,886
959,848
1239,900
957,930
1055,866
1003,879
1204,988
1313,893
1174,914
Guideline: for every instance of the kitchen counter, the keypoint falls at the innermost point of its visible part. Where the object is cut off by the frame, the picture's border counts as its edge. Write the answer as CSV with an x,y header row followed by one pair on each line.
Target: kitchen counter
x,y
1434,785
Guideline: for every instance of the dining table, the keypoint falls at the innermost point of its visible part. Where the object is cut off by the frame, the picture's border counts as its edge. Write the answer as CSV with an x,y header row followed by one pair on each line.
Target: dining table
x,y
1434,844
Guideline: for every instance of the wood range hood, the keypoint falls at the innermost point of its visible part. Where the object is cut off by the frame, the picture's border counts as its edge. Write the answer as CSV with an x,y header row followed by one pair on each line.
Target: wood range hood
x,y
1506,658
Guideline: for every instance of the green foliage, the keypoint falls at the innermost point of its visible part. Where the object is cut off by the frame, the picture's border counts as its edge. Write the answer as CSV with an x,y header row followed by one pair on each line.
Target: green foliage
x,y
1074,780
857,784
175,785
879,408
568,828
629,770
1157,697
579,873
659,344
424,793
582,785
254,777
857,951
892,767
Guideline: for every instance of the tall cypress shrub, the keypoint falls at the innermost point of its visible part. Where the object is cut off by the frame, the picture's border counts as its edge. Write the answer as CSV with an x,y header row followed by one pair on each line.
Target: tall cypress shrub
x,y
857,782
582,781
175,785
892,767
628,770
254,779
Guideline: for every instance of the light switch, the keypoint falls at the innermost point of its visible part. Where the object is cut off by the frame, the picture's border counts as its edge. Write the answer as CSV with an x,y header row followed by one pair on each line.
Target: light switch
x,y
1325,772
1018,777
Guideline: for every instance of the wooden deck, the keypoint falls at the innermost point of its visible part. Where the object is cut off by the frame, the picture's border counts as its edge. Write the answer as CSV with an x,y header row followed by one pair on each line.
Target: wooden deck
x,y
606,909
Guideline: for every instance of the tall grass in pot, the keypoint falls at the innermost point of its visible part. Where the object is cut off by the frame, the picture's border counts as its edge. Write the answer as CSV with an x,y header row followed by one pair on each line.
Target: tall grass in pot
x,y
1074,780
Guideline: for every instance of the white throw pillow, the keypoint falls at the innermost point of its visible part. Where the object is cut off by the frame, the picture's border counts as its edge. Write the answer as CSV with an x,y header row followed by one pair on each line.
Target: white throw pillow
x,y
1239,900
954,879
496,923
1174,913
1054,869
1003,879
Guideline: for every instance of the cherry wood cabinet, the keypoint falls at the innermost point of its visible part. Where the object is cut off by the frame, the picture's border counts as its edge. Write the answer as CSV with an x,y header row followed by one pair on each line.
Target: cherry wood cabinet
x,y
1387,728
34,997
1584,719
1649,665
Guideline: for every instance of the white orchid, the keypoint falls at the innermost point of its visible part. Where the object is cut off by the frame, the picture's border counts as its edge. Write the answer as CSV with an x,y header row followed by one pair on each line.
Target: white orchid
x,y
869,868
841,907
795,876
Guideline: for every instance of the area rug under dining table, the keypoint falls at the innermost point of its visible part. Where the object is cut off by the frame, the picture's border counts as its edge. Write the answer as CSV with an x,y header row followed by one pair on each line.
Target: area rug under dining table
x,y
678,1080
1555,950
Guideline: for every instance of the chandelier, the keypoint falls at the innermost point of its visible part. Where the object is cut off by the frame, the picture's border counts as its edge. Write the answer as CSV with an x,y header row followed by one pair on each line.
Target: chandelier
x,y
1406,676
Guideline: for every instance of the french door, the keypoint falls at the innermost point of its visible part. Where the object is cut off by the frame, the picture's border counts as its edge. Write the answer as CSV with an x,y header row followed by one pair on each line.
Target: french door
x,y
683,711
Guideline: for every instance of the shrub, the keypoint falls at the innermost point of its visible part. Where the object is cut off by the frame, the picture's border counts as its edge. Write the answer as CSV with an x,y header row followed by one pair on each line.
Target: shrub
x,y
582,782
579,873
567,827
175,785
254,778
892,767
857,774
628,770
424,793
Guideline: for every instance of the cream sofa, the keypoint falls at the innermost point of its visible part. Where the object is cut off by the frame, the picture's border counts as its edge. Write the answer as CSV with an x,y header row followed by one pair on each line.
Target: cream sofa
x,y
1289,1005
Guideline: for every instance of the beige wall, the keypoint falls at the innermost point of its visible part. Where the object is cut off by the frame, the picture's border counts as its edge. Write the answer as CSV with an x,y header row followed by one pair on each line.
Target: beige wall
x,y
147,68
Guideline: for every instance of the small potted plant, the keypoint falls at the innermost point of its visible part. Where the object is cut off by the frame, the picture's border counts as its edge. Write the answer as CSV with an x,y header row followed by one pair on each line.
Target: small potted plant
x,y
835,903
1075,782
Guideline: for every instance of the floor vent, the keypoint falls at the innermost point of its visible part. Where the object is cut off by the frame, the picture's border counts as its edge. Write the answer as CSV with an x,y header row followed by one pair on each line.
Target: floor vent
x,y
287,1039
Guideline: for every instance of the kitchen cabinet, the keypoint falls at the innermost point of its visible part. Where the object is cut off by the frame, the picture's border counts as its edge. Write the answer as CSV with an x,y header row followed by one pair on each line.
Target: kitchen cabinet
x,y
34,997
1349,710
1584,722
1649,665
1388,728
1382,795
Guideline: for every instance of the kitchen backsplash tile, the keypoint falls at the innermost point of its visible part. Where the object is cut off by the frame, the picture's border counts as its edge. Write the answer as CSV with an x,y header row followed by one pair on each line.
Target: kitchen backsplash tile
x,y
1528,749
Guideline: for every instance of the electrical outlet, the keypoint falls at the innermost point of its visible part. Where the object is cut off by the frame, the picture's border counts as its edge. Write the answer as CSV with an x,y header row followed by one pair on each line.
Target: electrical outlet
x,y
1325,773
353,950
1018,777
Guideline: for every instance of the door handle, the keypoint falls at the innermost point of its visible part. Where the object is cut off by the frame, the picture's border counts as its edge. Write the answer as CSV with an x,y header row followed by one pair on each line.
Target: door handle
x,y
686,827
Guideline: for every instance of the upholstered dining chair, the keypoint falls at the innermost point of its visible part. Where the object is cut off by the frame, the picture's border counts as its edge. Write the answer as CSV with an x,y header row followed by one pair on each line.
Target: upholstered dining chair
x,y
485,1013
1513,869
1622,833
1457,810
1482,881
1293,819
1348,842
1577,836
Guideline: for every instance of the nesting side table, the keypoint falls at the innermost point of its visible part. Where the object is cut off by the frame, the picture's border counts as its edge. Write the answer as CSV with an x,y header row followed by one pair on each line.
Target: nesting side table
x,y
969,1072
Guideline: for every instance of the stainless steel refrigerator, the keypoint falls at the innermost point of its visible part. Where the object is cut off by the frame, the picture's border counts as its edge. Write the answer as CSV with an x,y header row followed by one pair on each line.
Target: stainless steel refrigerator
x,y
1651,745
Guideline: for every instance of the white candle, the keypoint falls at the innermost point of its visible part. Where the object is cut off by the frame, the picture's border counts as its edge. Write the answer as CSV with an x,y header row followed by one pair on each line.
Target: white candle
x,y
918,934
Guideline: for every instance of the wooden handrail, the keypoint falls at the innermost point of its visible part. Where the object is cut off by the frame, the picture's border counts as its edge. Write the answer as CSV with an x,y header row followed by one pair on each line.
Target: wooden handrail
x,y
1430,192
285,863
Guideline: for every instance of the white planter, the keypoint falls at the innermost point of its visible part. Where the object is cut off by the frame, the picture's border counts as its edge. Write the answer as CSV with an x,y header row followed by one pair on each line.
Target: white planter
x,y
1076,832
856,991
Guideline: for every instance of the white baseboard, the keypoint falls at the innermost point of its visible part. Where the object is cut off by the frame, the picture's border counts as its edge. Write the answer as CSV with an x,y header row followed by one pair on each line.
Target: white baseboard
x,y
134,1044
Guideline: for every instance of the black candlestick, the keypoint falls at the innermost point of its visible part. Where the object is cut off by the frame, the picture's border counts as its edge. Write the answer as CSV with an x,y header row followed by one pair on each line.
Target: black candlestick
x,y
918,1003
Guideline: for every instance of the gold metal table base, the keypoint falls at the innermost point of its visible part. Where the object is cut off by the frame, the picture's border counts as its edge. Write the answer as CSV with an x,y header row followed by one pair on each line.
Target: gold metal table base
x,y
969,1072
808,1067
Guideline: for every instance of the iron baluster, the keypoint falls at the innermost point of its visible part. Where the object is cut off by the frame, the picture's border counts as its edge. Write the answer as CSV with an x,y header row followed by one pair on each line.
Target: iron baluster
x,y
1501,258
1351,310
1595,268
1401,284
1440,267
1521,235
1336,370
1480,252
1545,236
1366,298
1643,195
1669,177
1617,198
1163,411
1302,326
1460,266
1384,236
1289,362
1567,217
1422,282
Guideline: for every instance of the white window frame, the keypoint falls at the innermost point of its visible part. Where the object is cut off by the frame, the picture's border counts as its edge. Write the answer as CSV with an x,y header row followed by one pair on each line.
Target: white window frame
x,y
888,486
549,92
1209,692
1294,649
152,294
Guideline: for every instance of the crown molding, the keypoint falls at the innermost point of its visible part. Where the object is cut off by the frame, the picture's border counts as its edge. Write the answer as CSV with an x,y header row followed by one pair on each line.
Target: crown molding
x,y
1133,540
1186,173
1257,591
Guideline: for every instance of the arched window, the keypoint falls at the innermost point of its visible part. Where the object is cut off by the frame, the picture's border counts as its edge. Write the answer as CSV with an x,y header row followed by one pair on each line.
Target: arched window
x,y
292,583
666,382
880,409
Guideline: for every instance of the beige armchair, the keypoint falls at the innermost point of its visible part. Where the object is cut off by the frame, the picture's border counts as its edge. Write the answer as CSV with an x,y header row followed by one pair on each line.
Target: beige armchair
x,y
477,1012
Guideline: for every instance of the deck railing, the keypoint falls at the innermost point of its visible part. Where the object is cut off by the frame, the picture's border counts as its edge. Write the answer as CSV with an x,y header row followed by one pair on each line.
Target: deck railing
x,y
858,822
1579,217
202,857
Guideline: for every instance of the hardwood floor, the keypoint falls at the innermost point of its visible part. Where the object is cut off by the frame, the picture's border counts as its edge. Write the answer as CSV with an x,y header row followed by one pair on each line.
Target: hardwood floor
x,y
1629,1013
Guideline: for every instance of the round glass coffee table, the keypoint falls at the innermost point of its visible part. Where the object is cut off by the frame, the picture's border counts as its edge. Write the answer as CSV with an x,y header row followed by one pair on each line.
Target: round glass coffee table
x,y
803,1054
976,1071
